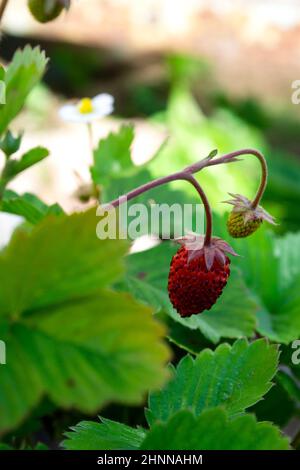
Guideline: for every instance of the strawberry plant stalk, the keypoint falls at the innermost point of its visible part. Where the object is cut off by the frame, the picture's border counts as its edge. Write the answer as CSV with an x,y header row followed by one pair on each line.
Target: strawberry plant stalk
x,y
187,175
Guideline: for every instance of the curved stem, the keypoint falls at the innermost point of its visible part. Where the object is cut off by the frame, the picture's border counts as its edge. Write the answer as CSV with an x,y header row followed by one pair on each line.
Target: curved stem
x,y
187,175
181,175
3,5
208,214
264,173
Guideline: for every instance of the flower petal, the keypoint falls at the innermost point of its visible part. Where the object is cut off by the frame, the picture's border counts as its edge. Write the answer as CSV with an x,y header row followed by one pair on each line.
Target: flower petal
x,y
103,104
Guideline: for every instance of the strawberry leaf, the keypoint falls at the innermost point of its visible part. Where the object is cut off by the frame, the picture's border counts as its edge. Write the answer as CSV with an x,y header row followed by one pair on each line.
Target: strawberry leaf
x,y
213,430
235,377
23,73
83,344
28,206
109,435
113,155
271,269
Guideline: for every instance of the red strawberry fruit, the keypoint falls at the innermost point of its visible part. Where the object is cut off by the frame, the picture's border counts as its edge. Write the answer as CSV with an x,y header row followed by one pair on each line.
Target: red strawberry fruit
x,y
198,274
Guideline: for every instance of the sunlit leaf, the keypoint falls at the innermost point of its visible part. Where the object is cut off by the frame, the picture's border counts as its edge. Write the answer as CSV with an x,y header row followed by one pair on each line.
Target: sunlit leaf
x,y
69,337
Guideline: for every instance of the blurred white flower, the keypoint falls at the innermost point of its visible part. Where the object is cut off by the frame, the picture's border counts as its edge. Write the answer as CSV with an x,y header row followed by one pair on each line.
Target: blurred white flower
x,y
88,110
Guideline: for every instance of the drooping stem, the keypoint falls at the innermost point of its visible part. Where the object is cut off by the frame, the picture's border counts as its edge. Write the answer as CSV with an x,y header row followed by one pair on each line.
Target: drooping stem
x,y
263,181
187,175
3,5
264,173
181,175
208,214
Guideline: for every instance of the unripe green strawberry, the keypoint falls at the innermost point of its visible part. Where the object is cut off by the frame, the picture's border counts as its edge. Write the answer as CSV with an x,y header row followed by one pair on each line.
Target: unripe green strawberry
x,y
245,219
238,228
46,10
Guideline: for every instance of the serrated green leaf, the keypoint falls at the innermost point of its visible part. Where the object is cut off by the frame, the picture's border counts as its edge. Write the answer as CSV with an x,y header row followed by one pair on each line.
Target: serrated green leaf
x,y
23,73
109,435
28,206
113,156
83,345
271,269
65,259
213,430
233,315
235,377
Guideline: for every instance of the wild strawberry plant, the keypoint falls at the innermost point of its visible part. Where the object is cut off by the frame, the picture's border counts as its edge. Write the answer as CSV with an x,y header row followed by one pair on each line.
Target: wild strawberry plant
x,y
87,323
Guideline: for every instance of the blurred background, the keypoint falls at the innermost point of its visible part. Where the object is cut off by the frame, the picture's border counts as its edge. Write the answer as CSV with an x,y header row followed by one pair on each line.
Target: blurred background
x,y
205,73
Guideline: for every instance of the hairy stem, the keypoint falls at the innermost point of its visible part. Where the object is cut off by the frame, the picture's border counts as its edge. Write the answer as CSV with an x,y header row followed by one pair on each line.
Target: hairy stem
x,y
3,5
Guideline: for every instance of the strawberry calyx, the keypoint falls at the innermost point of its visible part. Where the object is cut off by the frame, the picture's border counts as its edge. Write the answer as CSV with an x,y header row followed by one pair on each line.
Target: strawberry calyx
x,y
215,250
244,207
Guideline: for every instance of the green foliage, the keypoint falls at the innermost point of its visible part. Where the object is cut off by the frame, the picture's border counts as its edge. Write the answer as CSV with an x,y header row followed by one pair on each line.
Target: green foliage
x,y
271,269
112,157
83,344
77,318
23,73
200,407
235,377
193,135
28,206
10,144
30,158
109,435
213,430
13,166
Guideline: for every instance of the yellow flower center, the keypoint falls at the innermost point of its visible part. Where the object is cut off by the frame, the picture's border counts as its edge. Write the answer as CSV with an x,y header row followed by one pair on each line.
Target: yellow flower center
x,y
85,106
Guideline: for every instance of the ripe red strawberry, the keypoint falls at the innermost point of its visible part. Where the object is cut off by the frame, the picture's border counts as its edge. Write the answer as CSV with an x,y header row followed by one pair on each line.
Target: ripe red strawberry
x,y
198,275
244,219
